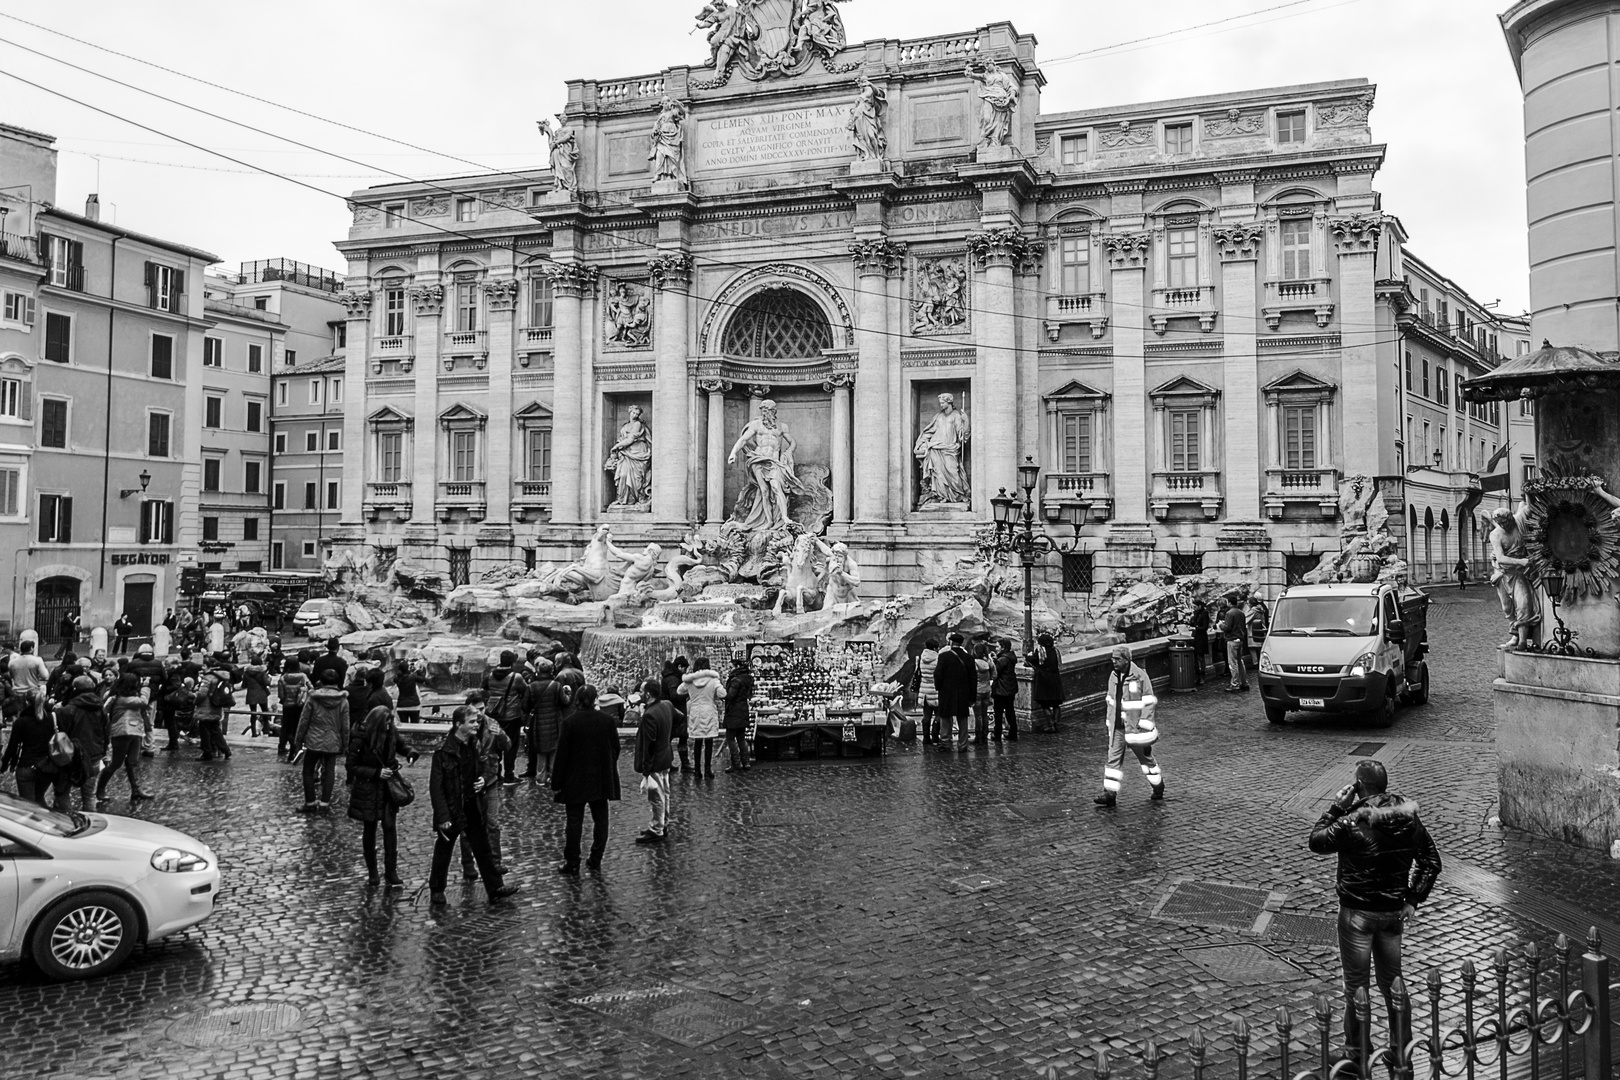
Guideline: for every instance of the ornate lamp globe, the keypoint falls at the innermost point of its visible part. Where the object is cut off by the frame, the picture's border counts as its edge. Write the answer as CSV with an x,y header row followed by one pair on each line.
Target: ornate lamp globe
x,y
1002,507
1029,474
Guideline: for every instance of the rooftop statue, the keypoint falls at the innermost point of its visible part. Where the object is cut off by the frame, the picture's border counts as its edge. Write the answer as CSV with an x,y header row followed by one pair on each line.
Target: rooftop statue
x,y
866,119
668,152
564,142
767,38
998,94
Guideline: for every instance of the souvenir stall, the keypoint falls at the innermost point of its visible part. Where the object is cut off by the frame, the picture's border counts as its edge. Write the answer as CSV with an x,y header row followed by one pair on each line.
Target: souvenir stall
x,y
813,698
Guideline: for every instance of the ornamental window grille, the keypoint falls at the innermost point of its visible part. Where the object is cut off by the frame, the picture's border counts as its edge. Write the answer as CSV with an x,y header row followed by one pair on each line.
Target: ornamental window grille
x,y
1186,563
1077,570
778,324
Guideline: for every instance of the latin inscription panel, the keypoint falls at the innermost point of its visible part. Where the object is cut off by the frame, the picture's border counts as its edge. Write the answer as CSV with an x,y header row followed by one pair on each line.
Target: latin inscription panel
x,y
785,137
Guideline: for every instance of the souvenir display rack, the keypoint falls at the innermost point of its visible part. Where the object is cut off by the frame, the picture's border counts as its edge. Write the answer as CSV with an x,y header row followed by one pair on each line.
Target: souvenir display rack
x,y
813,698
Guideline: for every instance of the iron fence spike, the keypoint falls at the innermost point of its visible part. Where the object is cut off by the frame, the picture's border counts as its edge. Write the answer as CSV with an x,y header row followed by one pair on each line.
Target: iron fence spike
x,y
1532,952
1561,946
1240,1030
1594,940
1468,975
1433,979
1499,961
1102,1063
1195,1042
1397,989
1285,1020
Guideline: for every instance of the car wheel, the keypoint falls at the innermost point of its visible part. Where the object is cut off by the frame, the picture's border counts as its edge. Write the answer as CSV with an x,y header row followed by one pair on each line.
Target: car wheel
x,y
85,935
1385,717
1276,714
1420,693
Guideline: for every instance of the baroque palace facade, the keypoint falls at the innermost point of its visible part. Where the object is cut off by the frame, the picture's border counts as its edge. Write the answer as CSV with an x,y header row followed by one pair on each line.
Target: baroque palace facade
x,y
1189,313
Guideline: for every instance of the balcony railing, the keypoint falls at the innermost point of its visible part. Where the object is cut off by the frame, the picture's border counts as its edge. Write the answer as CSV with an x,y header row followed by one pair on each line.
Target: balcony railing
x,y
1063,488
69,277
534,490
1065,308
941,48
1194,302
388,491
1308,294
461,491
465,342
21,248
393,347
1201,487
536,335
1319,487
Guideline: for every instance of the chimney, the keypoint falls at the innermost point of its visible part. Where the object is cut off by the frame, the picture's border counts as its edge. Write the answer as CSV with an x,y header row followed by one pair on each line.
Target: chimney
x,y
92,207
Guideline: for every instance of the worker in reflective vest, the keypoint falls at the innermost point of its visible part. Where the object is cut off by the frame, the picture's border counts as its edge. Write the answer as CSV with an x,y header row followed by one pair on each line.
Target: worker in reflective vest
x,y
1130,707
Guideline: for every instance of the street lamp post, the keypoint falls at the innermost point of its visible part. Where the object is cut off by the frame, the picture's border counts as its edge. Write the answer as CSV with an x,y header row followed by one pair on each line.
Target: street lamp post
x,y
1015,534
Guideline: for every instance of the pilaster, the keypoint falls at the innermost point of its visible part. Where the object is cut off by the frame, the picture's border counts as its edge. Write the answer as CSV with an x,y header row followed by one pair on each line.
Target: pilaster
x,y
1238,247
839,384
356,349
877,261
714,501
500,299
995,427
571,281
1126,255
1355,238
674,461
427,304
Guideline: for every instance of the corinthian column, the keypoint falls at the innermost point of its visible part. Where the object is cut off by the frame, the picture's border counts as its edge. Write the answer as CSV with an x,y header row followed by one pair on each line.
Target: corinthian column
x,y
357,306
671,274
427,303
994,416
876,260
1127,259
501,297
1356,238
714,501
570,281
1241,474
839,384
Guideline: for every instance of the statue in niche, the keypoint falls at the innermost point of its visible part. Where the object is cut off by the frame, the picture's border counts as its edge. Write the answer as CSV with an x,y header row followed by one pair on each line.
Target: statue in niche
x,y
668,153
818,25
564,143
630,461
1509,557
998,93
732,31
866,118
939,296
940,447
763,503
629,315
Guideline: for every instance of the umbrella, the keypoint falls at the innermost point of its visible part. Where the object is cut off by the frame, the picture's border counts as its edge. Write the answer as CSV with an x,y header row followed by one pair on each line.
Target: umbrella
x,y
253,589
1562,369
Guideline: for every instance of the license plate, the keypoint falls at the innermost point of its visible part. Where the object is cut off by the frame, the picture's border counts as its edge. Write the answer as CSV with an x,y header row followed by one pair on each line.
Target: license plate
x,y
1312,703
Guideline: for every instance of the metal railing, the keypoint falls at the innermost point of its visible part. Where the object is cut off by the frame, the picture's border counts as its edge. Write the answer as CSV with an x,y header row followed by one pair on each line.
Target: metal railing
x,y
290,270
1562,1032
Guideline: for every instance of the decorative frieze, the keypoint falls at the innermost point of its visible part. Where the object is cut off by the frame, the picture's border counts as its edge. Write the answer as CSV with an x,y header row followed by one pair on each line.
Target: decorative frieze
x,y
1125,249
365,213
505,199
1234,124
1124,136
878,256
1358,232
356,304
947,357
432,206
715,386
838,380
427,300
1343,113
502,293
939,295
1238,242
998,247
671,269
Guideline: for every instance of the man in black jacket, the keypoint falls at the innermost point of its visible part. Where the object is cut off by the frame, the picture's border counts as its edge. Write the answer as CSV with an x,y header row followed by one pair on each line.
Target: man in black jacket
x,y
1387,865
957,686
654,758
454,786
585,773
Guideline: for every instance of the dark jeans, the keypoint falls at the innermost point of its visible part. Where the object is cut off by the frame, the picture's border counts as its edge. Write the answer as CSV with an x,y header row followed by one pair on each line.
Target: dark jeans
x,y
212,733
32,784
981,717
444,848
1201,651
120,644
514,735
368,841
126,753
1365,937
328,767
738,742
576,829
489,804
1003,707
290,715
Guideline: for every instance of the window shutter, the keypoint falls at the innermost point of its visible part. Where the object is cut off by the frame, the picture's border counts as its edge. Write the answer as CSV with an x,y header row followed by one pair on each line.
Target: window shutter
x,y
43,242
28,311
65,513
25,403
44,521
75,255
168,523
151,285
175,303
146,520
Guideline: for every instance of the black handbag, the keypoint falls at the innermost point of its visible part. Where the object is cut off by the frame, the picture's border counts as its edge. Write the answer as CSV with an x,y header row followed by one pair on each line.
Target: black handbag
x,y
400,791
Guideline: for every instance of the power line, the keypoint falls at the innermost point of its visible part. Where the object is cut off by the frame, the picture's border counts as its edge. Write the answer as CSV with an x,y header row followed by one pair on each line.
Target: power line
x,y
1151,37
215,169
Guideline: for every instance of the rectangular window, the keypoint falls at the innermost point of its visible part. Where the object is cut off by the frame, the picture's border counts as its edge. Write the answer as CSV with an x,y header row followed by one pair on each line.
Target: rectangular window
x,y
1074,261
310,495
280,442
162,356
251,471
19,308
289,357
463,455
211,470
331,494
1296,248
394,216
213,412
255,363
314,391
157,522
1423,447
277,556
539,454
334,393
56,519
1425,376
460,565
10,492
334,440
393,312
1409,371
58,337
278,496
309,549
466,209
213,352
210,527
1458,396
1074,442
542,302
1184,440
157,434
1072,149
1291,126
281,393
1186,563
466,306
340,336
1077,572
312,441
11,397
1178,138
1299,436
164,287
255,416
1182,257
390,456
250,528
53,423
261,303
1442,385
67,262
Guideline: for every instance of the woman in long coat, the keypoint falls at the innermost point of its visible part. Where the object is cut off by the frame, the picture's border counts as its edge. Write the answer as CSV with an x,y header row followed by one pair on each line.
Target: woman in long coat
x,y
739,689
1046,687
374,752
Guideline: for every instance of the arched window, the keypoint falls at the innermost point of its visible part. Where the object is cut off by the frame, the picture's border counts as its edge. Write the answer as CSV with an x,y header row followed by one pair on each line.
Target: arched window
x,y
778,324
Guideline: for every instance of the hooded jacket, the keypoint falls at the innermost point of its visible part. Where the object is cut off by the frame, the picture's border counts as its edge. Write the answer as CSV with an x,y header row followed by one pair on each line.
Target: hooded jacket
x,y
85,722
927,661
1386,857
323,728
703,691
739,689
126,716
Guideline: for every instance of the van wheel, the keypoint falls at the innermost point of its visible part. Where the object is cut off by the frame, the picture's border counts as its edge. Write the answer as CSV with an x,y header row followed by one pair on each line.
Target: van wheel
x,y
1276,714
1419,694
1385,717
85,935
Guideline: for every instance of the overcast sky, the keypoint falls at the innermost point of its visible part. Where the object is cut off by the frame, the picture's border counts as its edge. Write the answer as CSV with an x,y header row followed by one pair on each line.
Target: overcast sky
x,y
469,78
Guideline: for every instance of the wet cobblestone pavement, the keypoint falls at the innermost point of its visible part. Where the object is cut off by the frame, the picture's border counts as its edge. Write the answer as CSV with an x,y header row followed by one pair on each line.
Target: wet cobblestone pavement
x,y
925,915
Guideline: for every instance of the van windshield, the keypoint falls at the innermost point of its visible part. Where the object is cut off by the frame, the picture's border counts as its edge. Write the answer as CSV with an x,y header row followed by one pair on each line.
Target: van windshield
x,y
1348,616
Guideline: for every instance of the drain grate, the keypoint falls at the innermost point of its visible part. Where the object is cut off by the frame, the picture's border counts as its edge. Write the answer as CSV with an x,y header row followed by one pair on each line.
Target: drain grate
x,y
235,1025
677,1013
1041,811
1245,964
1218,903
1305,929
976,882
1366,749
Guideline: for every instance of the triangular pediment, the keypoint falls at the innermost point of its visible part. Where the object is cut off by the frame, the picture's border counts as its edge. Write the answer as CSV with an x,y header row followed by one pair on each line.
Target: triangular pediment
x,y
390,414
1298,380
1185,385
533,411
1075,390
462,413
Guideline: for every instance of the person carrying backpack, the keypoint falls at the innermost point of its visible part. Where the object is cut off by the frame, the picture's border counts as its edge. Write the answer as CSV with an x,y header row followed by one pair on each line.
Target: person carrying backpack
x,y
213,705
293,692
544,703
505,690
323,734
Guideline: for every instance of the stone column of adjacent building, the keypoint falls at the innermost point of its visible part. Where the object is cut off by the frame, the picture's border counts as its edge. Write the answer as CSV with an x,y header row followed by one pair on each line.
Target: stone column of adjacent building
x,y
714,500
1127,261
1238,247
500,295
1356,240
876,260
839,385
570,282
427,304
670,272
356,355
994,418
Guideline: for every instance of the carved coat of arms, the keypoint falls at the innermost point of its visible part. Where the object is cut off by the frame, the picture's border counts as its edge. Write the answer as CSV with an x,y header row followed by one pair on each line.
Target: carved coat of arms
x,y
766,38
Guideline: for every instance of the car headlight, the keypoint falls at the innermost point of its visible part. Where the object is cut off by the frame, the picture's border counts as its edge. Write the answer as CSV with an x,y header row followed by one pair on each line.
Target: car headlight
x,y
1363,664
174,861
1267,665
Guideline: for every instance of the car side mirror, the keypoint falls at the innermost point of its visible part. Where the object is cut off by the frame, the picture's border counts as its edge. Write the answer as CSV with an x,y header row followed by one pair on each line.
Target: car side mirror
x,y
1396,634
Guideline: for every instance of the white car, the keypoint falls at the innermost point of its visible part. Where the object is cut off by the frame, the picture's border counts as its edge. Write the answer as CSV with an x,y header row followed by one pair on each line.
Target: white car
x,y
312,613
79,891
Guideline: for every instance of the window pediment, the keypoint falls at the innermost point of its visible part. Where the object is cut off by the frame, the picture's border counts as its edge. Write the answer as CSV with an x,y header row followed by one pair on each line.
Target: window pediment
x,y
1075,393
533,414
1297,387
391,417
462,415
1183,390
